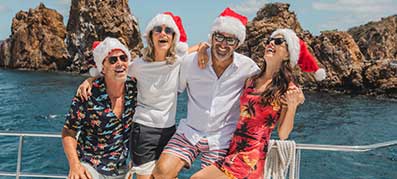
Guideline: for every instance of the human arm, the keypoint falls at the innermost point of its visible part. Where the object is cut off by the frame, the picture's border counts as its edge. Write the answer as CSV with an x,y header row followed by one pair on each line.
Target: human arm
x,y
202,55
84,90
73,124
291,99
76,170
183,73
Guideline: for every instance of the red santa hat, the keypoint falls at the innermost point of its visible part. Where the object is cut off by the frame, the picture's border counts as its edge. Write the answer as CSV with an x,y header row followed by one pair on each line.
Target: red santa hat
x,y
102,49
299,54
230,22
175,22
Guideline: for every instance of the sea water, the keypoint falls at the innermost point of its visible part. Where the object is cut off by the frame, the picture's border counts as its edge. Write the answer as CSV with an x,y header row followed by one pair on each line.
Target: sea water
x,y
38,102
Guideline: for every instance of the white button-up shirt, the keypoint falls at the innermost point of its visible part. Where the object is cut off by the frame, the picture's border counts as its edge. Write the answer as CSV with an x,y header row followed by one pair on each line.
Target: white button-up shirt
x,y
213,103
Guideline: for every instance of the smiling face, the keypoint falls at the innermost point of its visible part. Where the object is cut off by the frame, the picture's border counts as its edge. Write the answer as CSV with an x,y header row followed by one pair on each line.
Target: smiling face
x,y
115,66
223,45
276,50
162,37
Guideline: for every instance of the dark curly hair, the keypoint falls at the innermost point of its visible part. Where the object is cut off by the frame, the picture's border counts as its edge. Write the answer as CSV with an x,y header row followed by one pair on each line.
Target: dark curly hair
x,y
279,84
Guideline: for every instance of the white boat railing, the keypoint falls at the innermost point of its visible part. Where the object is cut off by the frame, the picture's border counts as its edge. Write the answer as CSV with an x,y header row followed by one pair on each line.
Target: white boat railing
x,y
338,148
18,173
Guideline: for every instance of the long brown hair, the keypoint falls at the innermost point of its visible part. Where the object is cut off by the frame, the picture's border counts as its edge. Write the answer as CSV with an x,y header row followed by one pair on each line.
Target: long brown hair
x,y
148,52
279,84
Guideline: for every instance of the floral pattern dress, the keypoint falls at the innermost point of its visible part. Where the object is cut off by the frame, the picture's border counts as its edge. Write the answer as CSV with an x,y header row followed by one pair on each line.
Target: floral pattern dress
x,y
247,152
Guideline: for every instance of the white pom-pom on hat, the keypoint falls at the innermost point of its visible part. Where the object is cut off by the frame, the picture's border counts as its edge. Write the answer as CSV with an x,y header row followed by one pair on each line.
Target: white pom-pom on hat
x,y
94,72
320,74
181,48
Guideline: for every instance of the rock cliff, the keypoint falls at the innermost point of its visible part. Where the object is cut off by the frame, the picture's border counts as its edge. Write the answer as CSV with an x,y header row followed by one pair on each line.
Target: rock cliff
x,y
362,60
378,43
92,20
5,53
36,41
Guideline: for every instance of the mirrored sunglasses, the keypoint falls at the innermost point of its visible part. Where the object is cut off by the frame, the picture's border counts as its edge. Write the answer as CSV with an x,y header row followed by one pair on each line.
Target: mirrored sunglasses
x,y
167,30
277,41
113,59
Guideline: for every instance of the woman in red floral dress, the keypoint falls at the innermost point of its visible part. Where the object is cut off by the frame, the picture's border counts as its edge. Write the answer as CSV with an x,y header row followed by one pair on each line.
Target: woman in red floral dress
x,y
268,99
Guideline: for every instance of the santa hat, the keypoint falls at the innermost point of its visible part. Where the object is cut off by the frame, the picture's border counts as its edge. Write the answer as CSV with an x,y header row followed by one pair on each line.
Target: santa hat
x,y
102,49
175,22
299,54
232,23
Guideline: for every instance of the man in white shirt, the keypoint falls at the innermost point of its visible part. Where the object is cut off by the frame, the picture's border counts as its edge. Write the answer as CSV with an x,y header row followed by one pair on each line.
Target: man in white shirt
x,y
213,99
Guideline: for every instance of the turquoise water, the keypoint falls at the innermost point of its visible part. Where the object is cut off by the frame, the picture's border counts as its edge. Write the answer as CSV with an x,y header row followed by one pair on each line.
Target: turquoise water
x,y
38,102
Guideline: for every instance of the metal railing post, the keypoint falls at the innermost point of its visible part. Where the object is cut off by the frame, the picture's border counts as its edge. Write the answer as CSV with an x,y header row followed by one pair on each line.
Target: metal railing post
x,y
298,163
19,160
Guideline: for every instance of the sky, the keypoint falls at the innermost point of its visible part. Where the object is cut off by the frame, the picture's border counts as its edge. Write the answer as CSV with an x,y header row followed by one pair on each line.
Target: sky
x,y
197,16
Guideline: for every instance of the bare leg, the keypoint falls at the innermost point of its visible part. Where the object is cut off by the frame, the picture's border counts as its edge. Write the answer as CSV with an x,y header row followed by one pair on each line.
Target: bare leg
x,y
168,166
144,177
209,172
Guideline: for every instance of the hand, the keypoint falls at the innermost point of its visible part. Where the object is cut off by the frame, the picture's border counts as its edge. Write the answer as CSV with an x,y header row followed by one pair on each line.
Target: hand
x,y
301,96
79,172
202,55
84,90
293,97
128,175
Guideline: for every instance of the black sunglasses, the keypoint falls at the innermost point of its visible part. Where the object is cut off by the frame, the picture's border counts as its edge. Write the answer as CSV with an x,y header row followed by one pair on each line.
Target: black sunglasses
x,y
113,59
277,41
231,41
167,30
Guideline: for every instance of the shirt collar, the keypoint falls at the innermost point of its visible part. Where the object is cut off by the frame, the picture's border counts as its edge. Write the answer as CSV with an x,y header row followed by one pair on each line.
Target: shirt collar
x,y
99,88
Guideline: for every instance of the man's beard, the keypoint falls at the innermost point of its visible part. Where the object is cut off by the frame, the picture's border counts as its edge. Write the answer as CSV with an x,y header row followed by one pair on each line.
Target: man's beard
x,y
222,57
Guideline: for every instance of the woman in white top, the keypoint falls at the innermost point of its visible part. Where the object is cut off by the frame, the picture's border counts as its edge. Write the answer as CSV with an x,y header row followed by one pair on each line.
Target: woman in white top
x,y
157,73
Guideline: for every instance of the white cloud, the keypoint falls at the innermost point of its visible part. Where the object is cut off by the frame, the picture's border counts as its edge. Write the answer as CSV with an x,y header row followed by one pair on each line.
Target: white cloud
x,y
340,23
358,6
249,7
350,13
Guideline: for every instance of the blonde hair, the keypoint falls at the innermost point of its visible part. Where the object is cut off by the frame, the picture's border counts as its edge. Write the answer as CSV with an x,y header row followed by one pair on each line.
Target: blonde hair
x,y
149,55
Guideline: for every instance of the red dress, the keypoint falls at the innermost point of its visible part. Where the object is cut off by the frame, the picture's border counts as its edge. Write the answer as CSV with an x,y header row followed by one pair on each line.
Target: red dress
x,y
247,152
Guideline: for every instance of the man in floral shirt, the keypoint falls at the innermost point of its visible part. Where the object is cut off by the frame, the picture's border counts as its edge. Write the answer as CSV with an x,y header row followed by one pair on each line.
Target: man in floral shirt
x,y
103,121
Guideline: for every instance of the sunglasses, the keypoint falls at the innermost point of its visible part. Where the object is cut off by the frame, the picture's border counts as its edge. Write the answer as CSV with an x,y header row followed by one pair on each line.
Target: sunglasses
x,y
167,30
114,59
231,41
277,41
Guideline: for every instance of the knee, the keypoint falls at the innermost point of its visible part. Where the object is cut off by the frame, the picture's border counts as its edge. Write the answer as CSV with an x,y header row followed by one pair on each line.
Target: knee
x,y
162,171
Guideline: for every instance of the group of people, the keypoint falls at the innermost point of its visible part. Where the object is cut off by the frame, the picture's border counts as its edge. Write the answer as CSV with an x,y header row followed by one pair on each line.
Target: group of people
x,y
128,109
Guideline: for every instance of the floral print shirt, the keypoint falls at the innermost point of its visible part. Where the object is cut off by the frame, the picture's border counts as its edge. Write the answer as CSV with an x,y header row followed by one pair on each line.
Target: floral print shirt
x,y
103,137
